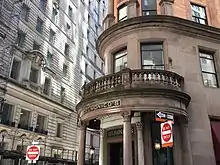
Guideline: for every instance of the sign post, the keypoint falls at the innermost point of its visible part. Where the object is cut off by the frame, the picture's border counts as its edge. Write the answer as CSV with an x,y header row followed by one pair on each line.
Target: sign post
x,y
164,116
32,153
166,134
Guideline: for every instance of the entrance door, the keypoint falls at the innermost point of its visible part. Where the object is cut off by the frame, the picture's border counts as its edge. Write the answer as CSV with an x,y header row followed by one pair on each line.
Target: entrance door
x,y
116,153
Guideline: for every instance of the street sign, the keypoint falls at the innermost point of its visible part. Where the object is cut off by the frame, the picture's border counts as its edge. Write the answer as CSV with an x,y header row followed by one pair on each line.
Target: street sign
x,y
164,116
32,153
166,134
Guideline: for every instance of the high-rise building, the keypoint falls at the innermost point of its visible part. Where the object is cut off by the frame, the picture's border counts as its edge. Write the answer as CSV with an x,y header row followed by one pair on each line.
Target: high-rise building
x,y
161,64
47,52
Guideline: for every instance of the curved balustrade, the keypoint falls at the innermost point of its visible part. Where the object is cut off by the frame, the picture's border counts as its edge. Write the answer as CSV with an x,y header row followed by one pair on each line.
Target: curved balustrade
x,y
140,78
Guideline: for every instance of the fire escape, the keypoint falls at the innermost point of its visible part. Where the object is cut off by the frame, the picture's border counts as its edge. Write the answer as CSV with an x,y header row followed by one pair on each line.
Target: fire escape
x,y
9,21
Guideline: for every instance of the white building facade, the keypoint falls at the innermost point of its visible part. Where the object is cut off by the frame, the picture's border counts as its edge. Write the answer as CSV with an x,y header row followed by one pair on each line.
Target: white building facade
x,y
52,57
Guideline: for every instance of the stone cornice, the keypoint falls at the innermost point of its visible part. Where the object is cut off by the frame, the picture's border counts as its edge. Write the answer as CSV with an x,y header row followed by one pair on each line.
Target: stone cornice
x,y
177,25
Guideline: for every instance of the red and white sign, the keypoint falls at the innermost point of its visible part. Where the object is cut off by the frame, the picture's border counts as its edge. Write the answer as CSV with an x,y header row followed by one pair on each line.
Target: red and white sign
x,y
33,153
166,134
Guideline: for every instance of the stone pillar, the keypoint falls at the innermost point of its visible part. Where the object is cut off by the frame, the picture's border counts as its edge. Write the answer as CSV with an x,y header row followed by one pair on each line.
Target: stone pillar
x,y
110,18
82,141
102,147
127,139
166,7
186,147
132,8
140,140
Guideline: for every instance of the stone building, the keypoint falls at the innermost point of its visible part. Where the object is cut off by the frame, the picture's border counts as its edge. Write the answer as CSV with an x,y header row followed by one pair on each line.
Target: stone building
x,y
160,56
50,50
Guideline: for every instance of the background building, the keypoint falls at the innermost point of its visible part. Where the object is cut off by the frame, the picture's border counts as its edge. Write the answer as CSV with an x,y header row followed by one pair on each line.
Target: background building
x,y
47,54
171,52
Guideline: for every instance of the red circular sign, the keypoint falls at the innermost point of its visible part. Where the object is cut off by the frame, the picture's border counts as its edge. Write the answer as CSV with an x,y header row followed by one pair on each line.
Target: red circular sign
x,y
166,132
33,152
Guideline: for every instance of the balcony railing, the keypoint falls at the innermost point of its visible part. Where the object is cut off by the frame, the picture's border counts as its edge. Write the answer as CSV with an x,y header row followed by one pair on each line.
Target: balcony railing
x,y
140,78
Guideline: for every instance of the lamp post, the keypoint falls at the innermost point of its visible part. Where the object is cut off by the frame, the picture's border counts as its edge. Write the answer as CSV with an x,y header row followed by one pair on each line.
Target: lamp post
x,y
92,151
157,148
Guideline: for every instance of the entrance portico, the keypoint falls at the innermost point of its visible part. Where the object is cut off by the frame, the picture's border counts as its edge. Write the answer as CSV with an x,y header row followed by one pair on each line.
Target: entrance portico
x,y
124,99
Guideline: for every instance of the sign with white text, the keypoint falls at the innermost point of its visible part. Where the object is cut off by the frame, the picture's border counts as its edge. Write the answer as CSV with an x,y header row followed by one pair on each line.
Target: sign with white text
x,y
166,134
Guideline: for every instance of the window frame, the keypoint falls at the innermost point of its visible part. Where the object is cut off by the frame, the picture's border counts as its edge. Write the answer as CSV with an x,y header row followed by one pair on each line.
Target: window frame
x,y
152,43
52,36
214,64
199,18
37,79
39,22
114,57
67,49
65,71
59,133
47,91
17,70
120,8
25,12
62,97
20,40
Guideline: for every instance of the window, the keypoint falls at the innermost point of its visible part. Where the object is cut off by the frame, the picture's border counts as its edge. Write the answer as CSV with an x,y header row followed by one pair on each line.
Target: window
x,y
208,69
54,15
94,74
20,38
47,83
122,13
91,139
52,36
49,59
40,126
43,4
152,56
89,19
96,29
199,14
39,25
68,26
86,68
149,7
24,119
65,70
70,12
36,46
162,156
25,12
7,114
59,130
87,50
67,49
88,33
120,60
62,94
95,59
34,75
15,69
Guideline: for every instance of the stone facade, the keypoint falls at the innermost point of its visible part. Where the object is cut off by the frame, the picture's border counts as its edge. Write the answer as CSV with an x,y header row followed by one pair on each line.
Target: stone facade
x,y
52,54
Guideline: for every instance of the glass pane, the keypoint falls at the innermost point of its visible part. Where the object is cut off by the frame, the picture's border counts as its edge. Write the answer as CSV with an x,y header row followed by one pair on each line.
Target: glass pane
x,y
151,47
122,12
24,117
120,63
207,65
209,80
209,56
152,58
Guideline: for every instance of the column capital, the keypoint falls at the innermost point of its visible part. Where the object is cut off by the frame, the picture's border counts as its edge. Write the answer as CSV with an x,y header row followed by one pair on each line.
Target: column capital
x,y
102,132
139,126
126,116
82,125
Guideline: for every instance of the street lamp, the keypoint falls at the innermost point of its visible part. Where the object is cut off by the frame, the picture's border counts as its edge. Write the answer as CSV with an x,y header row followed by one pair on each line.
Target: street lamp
x,y
92,151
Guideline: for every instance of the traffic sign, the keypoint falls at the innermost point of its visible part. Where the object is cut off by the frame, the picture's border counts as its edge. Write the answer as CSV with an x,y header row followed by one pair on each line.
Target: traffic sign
x,y
164,116
33,153
166,134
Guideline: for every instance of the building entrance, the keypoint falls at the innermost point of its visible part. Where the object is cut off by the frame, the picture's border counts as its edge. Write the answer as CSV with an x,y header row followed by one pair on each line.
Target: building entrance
x,y
116,153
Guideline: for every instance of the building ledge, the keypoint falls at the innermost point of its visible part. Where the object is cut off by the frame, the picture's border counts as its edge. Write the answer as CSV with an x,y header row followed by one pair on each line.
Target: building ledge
x,y
174,24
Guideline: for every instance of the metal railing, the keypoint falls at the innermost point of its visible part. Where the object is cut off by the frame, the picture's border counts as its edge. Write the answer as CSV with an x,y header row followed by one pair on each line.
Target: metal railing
x,y
139,78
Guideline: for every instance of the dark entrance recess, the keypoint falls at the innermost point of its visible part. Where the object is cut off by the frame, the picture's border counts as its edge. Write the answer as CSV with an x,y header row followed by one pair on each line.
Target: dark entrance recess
x,y
161,156
116,153
94,124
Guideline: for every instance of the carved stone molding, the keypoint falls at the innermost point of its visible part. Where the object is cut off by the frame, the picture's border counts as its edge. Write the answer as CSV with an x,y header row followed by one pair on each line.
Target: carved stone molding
x,y
126,116
102,132
139,126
